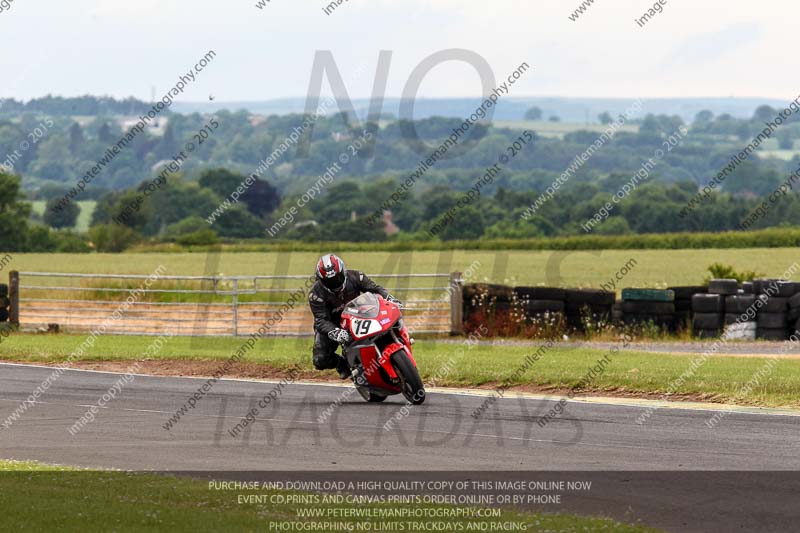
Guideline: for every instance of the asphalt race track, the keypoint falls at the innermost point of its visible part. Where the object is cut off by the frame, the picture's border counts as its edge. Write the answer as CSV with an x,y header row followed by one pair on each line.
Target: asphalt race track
x,y
441,435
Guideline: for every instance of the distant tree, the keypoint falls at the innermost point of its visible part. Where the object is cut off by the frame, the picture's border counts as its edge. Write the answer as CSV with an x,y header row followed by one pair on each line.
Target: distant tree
x,y
129,211
605,118
338,210
764,113
40,239
533,113
436,202
9,105
49,190
744,131
614,226
13,214
177,201
167,146
240,223
581,137
65,217
405,216
467,224
53,159
51,170
104,210
703,117
351,231
104,133
261,198
76,138
749,179
649,124
220,180
554,118
660,124
79,105
112,237
340,201
191,231
188,225
785,140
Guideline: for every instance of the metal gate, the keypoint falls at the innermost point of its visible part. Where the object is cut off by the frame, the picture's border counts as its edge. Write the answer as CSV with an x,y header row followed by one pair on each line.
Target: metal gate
x,y
209,305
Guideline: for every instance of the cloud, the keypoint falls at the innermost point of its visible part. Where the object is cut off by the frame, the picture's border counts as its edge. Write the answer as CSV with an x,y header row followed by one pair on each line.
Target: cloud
x,y
702,49
123,48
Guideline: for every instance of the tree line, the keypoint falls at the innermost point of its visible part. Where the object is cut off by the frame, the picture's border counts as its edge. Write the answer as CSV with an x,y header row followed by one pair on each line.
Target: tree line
x,y
228,155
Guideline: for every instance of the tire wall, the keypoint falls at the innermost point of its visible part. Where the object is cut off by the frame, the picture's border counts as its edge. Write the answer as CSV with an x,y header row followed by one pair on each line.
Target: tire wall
x,y
704,310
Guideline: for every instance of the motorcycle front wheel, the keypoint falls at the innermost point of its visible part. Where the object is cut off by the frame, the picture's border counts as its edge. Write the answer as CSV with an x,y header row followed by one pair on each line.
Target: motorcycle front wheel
x,y
410,382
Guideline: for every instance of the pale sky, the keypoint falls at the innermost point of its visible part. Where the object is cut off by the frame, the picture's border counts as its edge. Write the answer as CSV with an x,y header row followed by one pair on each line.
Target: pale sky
x,y
123,48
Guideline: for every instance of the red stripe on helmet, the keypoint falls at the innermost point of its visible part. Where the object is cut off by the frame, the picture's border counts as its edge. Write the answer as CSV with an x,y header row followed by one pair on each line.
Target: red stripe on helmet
x,y
329,266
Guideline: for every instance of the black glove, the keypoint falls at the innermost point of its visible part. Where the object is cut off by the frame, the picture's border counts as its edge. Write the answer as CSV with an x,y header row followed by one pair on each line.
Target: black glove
x,y
339,335
392,299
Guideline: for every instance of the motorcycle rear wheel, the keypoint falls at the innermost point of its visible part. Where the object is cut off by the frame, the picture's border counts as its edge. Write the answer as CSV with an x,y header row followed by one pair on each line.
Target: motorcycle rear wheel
x,y
410,382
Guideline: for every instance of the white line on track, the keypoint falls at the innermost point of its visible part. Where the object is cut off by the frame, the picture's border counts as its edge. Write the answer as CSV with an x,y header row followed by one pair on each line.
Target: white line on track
x,y
591,400
370,430
363,428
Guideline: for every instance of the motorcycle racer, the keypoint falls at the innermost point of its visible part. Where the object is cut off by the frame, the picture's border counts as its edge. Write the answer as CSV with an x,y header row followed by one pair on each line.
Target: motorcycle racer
x,y
335,286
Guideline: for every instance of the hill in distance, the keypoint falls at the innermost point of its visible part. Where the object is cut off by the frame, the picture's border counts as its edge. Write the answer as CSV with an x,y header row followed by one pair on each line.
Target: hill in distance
x,y
574,110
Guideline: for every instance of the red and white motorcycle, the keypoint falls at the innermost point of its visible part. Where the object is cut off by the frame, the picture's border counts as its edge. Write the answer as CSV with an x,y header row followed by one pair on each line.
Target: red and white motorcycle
x,y
379,354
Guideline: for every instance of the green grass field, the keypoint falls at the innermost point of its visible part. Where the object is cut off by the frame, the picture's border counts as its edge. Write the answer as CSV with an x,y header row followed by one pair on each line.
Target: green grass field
x,y
84,217
36,497
559,369
654,268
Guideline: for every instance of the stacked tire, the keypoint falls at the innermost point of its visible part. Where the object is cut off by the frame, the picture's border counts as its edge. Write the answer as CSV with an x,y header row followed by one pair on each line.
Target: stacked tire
x,y
536,302
773,312
643,306
486,296
588,304
708,315
4,302
793,315
740,315
735,303
683,303
617,317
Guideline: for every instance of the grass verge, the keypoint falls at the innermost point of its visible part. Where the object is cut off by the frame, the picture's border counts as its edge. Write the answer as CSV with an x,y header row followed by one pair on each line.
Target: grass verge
x,y
36,497
629,373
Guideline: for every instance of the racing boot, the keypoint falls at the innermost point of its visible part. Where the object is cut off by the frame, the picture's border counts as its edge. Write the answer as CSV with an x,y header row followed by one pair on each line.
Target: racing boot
x,y
343,368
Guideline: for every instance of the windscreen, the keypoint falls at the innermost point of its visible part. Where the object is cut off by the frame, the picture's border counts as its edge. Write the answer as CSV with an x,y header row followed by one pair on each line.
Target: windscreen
x,y
365,306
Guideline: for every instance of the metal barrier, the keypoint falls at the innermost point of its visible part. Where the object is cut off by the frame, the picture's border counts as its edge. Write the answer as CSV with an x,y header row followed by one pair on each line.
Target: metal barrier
x,y
209,305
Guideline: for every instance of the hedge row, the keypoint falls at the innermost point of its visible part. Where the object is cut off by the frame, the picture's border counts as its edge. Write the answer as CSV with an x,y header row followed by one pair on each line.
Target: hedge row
x,y
768,238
